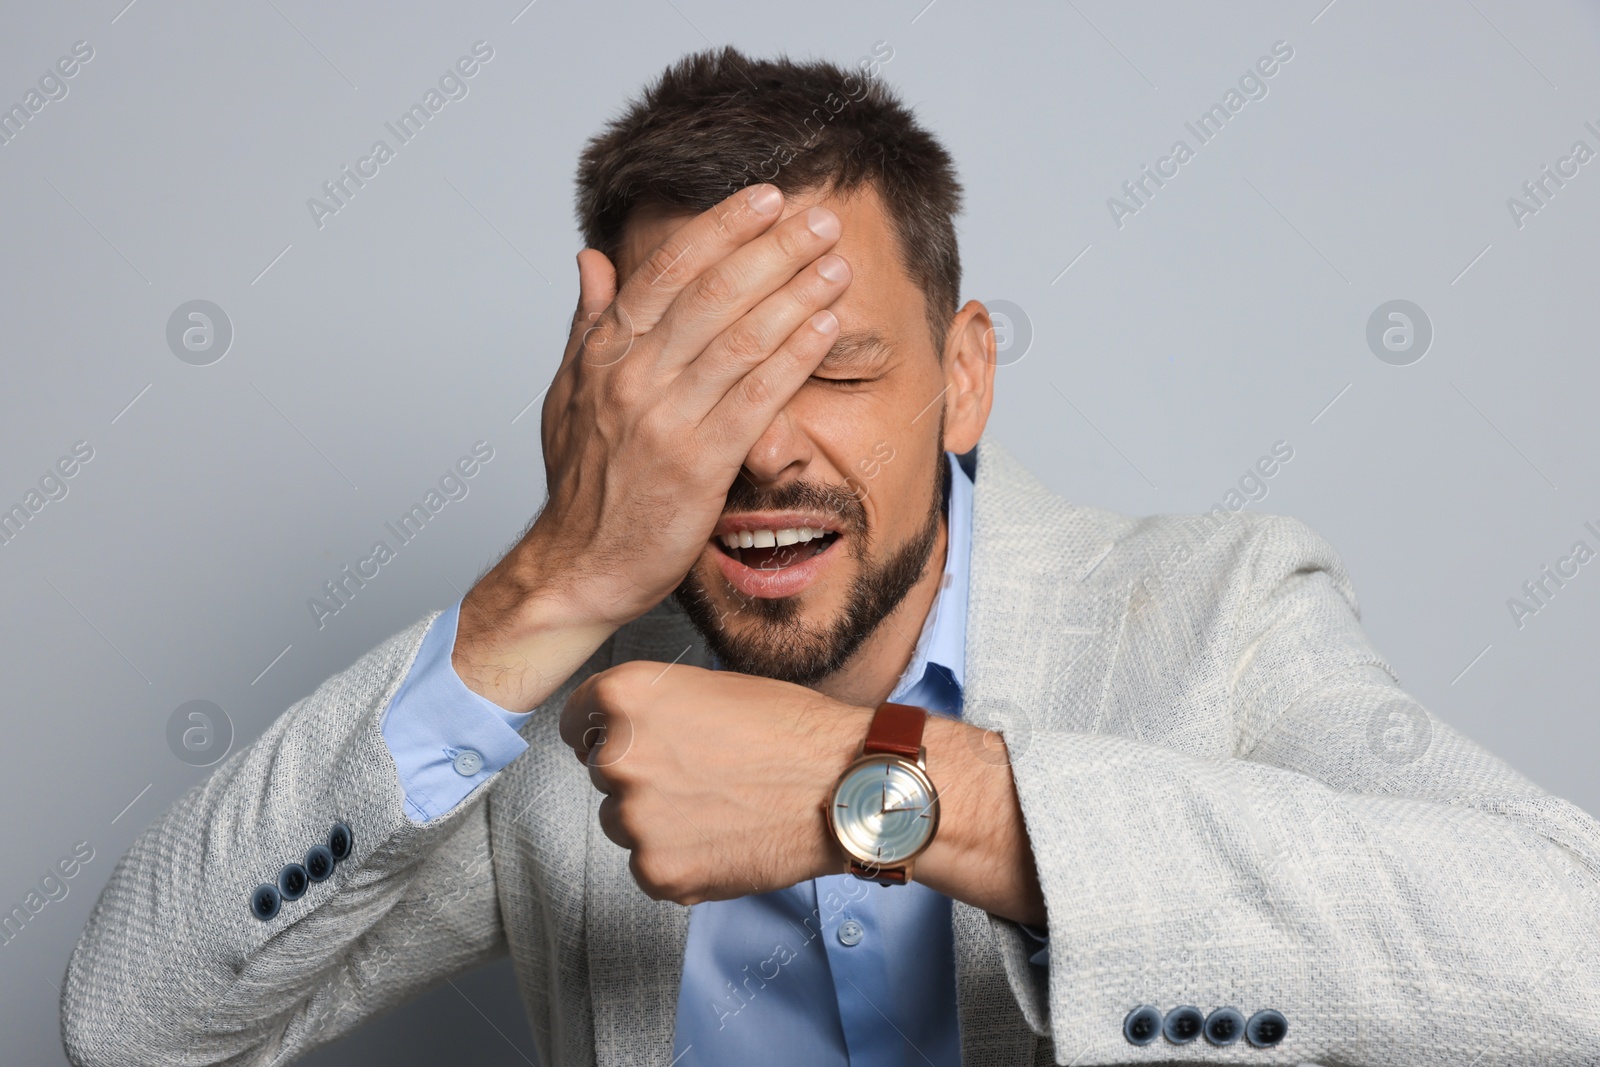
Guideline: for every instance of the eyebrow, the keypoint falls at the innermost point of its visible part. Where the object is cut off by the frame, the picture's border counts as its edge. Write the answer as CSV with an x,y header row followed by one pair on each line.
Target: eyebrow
x,y
857,350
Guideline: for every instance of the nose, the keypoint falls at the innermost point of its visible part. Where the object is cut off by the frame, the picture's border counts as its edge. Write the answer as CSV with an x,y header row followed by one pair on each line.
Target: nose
x,y
781,450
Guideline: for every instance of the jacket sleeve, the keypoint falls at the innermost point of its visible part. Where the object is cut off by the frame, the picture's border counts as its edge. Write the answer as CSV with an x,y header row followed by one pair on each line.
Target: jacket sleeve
x,y
1399,894
180,962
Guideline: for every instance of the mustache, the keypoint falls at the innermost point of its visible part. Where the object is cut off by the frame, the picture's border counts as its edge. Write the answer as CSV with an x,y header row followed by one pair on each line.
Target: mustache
x,y
841,501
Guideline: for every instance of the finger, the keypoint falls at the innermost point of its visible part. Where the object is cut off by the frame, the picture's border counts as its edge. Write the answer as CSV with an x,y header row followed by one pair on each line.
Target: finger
x,y
597,772
727,290
581,714
695,246
597,290
597,283
753,339
750,405
611,823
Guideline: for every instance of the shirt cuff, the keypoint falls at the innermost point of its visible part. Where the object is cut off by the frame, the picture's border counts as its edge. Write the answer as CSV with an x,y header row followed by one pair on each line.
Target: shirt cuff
x,y
446,740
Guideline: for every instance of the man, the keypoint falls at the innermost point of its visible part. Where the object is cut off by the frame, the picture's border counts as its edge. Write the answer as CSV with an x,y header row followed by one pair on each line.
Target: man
x,y
944,767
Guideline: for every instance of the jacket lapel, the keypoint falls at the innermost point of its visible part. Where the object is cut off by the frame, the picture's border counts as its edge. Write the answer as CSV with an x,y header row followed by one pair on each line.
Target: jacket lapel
x,y
1042,629
635,944
1042,637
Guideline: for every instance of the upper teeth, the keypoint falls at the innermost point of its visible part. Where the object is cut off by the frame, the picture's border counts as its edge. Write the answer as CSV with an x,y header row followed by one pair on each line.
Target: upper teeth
x,y
771,538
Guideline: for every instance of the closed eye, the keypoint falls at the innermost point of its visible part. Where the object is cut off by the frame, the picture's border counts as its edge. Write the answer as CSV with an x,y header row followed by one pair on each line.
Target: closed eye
x,y
859,351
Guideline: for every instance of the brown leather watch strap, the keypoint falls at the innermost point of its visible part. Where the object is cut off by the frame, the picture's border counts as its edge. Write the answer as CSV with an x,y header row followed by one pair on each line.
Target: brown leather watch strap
x,y
896,729
881,875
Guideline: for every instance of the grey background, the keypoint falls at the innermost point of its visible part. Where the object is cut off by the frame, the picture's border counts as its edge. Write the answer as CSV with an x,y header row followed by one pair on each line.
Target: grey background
x,y
1228,314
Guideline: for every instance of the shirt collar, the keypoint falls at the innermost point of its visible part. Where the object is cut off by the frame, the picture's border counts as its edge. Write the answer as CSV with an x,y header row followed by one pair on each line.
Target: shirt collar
x,y
943,641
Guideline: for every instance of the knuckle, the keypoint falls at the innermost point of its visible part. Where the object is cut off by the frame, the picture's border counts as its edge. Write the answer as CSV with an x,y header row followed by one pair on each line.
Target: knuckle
x,y
744,343
617,390
632,673
615,826
662,427
659,426
608,688
661,878
594,728
754,390
668,265
804,299
791,242
642,866
716,288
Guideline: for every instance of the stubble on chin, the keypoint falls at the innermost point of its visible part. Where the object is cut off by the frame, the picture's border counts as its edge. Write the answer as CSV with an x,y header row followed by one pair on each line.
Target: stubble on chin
x,y
779,642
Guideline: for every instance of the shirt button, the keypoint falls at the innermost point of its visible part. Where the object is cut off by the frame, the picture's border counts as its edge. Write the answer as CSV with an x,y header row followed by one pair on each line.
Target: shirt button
x,y
467,763
851,933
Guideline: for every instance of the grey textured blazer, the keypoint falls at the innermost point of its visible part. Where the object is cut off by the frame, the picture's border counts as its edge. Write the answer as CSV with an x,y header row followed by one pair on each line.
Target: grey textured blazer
x,y
1231,801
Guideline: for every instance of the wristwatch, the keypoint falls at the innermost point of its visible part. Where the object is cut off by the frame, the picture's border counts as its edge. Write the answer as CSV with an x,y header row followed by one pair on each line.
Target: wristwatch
x,y
884,809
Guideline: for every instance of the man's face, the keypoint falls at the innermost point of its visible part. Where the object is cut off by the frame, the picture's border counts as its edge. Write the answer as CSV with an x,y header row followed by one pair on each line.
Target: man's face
x,y
858,451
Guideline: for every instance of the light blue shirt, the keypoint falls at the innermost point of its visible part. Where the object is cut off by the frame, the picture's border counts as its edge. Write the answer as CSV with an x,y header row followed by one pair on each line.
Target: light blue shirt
x,y
834,970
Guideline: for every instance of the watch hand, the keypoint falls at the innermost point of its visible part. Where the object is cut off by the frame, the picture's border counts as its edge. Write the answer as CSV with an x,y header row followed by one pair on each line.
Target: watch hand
x,y
914,807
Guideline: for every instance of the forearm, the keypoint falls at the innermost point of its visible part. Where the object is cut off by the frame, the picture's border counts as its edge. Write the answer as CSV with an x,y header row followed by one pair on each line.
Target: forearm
x,y
981,854
1253,886
521,635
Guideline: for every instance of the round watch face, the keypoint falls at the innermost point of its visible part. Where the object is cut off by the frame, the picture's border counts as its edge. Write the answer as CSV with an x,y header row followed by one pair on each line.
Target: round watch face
x,y
884,811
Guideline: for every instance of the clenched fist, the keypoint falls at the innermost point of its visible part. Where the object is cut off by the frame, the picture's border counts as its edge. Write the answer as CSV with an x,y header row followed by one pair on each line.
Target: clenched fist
x,y
715,781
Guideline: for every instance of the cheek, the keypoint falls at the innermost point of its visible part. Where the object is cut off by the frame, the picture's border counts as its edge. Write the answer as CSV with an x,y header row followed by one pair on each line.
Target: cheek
x,y
900,490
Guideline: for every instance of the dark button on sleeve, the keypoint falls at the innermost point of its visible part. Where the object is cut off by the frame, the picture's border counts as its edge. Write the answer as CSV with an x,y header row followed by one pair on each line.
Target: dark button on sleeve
x,y
264,901
1183,1024
319,862
340,841
292,881
1266,1028
1142,1025
1224,1026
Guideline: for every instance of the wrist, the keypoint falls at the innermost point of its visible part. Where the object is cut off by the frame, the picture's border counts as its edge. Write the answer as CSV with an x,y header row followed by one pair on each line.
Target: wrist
x,y
520,636
835,749
982,854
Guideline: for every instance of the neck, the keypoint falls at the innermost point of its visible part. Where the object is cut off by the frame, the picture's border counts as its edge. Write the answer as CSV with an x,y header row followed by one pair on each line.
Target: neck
x,y
870,676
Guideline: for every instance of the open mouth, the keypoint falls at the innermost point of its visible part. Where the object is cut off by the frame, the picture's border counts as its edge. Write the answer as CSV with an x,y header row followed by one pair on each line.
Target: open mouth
x,y
773,550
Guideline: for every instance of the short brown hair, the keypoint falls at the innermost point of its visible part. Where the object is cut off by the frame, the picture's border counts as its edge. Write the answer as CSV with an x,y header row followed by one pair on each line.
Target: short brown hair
x,y
716,121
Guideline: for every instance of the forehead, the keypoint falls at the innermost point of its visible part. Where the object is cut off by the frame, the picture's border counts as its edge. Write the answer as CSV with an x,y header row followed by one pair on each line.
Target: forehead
x,y
881,296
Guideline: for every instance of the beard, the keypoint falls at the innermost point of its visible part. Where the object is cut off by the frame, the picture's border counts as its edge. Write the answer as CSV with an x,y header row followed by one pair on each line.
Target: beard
x,y
782,644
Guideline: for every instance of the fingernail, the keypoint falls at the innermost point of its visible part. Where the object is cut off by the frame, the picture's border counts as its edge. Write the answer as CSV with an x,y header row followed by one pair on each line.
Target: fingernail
x,y
822,222
833,268
764,199
824,321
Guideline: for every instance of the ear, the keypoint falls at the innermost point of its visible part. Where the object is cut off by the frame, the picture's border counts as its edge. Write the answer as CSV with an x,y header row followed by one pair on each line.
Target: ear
x,y
969,362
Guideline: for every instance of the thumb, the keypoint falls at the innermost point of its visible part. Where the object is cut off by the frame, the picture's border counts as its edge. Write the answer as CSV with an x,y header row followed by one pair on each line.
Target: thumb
x,y
597,285
597,288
